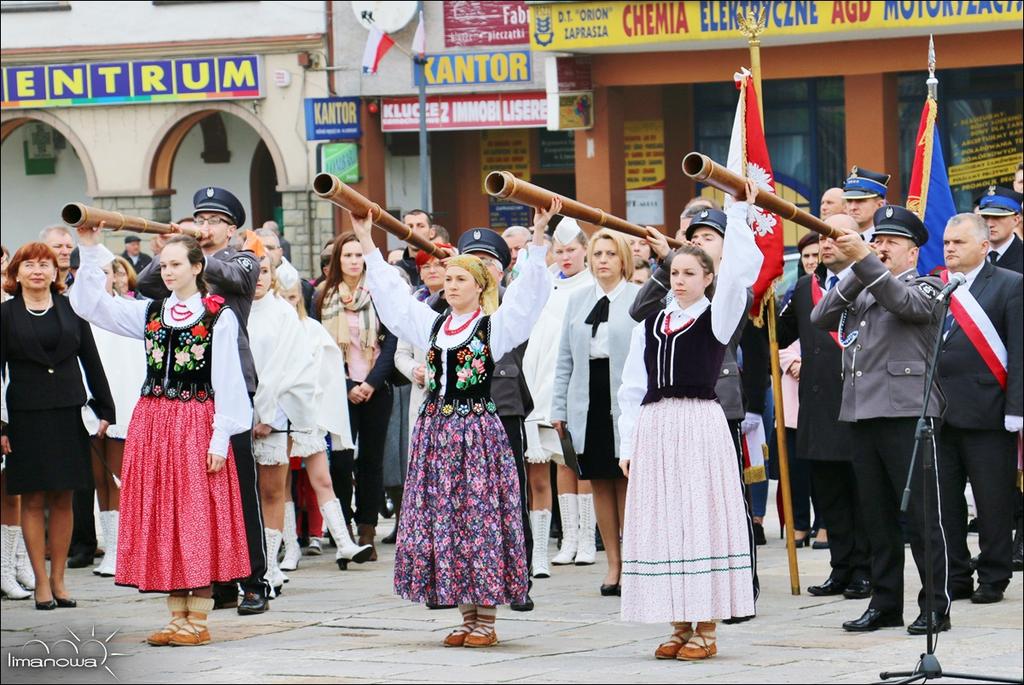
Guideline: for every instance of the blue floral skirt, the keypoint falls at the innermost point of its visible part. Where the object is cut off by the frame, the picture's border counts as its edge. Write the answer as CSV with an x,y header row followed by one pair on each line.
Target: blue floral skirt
x,y
460,536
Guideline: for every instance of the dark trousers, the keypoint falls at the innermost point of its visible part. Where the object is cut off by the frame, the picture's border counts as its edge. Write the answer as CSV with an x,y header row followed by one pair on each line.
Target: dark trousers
x,y
799,479
369,422
989,459
835,485
83,534
734,428
882,453
516,430
244,464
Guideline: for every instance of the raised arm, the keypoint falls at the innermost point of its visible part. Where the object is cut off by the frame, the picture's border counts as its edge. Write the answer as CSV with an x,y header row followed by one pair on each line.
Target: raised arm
x,y
741,263
90,300
398,310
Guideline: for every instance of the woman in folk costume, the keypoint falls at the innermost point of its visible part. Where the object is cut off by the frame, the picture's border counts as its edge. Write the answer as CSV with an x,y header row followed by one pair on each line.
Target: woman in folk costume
x,y
593,348
127,357
569,275
283,405
329,409
181,516
686,558
460,540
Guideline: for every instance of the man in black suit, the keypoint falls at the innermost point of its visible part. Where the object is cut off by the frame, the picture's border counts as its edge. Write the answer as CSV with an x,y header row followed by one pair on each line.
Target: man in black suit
x,y
1001,208
134,254
821,439
984,406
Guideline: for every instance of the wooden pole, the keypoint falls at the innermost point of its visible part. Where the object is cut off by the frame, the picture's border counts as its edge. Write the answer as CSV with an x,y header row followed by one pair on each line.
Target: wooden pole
x,y
752,25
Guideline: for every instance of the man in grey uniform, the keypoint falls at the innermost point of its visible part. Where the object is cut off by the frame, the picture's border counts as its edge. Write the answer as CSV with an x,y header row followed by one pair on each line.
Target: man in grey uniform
x,y
887,319
232,275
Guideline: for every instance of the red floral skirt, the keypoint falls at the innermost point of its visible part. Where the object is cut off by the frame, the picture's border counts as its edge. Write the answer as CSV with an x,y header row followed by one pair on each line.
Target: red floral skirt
x,y
181,527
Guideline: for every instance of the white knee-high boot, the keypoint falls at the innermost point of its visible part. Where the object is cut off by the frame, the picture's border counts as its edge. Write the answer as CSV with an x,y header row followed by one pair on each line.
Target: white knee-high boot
x,y
540,522
292,551
103,520
587,552
273,575
348,550
23,572
111,521
569,512
8,582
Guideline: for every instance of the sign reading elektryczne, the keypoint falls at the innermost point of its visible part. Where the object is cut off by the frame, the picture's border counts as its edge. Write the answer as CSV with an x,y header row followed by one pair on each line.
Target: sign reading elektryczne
x,y
130,82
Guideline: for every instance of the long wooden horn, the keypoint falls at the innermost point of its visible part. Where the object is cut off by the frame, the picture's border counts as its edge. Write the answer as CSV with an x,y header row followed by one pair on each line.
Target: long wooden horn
x,y
704,169
77,214
331,188
505,185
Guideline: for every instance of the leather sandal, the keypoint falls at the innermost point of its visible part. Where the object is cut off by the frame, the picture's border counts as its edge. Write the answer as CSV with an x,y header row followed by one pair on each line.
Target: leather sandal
x,y
190,635
669,649
698,647
162,637
457,638
482,636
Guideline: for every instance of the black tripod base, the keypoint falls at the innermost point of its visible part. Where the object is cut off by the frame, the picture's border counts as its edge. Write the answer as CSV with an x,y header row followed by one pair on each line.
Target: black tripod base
x,y
929,668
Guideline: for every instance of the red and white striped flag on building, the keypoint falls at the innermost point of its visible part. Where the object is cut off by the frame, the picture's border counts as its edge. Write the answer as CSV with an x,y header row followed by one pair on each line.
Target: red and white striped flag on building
x,y
377,45
748,157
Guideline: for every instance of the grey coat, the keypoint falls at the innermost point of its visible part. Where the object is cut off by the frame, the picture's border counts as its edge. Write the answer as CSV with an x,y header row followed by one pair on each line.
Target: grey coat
x,y
896,319
571,394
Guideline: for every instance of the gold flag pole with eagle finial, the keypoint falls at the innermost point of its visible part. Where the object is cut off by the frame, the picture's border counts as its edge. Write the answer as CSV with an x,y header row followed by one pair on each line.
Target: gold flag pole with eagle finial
x,y
752,25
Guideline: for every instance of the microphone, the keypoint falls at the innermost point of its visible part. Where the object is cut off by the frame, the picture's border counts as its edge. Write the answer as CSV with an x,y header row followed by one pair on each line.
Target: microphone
x,y
955,281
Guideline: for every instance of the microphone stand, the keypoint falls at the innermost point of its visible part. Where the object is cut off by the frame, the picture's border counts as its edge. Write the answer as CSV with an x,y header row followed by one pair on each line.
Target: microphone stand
x,y
928,667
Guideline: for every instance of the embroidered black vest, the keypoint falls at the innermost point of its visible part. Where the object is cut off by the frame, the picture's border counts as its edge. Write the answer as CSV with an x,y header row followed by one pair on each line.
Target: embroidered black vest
x,y
178,359
684,363
469,369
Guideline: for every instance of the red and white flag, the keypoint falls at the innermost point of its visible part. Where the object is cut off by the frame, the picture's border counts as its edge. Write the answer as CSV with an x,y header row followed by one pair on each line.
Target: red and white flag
x,y
419,40
377,45
748,157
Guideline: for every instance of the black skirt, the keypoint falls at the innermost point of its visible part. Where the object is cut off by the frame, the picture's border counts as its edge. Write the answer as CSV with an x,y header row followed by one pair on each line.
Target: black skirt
x,y
49,451
599,459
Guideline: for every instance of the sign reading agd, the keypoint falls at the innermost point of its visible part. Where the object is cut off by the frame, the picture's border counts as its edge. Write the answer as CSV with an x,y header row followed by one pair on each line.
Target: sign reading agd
x,y
476,68
332,118
132,82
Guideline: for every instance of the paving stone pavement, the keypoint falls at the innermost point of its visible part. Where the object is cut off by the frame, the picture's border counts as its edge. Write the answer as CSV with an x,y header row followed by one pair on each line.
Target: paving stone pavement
x,y
343,627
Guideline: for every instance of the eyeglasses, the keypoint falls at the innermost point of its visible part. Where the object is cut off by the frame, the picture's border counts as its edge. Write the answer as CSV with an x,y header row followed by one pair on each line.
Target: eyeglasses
x,y
210,221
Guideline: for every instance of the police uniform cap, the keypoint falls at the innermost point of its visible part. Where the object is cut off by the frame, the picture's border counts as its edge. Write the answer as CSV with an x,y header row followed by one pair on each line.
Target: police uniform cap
x,y
999,201
477,240
900,221
213,199
710,217
863,183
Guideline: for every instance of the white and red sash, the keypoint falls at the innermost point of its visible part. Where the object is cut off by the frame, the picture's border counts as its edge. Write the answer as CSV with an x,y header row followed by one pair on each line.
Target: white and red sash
x,y
979,329
816,294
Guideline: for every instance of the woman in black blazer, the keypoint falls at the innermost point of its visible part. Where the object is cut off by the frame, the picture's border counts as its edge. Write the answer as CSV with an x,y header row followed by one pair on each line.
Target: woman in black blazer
x,y
45,444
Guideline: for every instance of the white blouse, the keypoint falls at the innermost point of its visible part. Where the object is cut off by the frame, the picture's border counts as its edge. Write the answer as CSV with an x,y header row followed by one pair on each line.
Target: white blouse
x,y
599,342
283,356
412,320
741,263
89,298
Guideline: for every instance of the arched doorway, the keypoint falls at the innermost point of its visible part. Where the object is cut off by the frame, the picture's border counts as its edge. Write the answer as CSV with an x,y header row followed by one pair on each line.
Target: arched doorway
x,y
221,147
41,169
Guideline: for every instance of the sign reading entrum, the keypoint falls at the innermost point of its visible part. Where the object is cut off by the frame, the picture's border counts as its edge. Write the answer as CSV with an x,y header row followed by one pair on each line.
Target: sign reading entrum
x,y
131,82
467,112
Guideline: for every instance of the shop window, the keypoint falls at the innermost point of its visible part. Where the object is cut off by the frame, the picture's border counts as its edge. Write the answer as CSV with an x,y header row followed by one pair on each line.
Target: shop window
x,y
981,124
215,140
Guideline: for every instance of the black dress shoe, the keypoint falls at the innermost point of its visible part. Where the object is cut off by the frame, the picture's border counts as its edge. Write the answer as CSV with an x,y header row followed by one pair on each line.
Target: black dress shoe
x,y
957,592
920,625
81,559
611,590
733,620
47,606
819,544
522,606
987,594
432,605
759,538
828,588
391,537
858,589
65,602
873,619
253,603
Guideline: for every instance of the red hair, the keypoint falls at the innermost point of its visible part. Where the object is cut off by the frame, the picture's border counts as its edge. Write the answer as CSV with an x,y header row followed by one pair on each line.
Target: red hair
x,y
30,251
